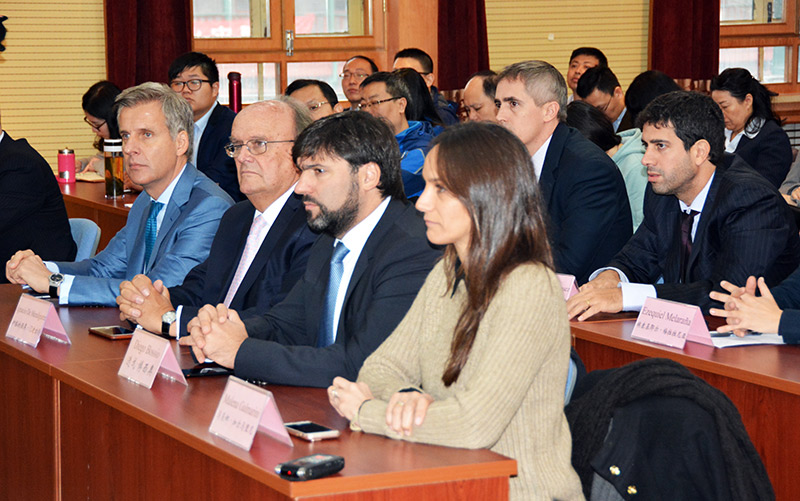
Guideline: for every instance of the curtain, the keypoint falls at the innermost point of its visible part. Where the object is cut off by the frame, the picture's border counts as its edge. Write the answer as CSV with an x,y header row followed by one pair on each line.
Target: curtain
x,y
684,40
463,43
143,37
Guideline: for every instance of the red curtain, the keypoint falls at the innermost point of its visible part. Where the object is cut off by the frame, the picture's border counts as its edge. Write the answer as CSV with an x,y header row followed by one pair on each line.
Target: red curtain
x,y
463,44
684,40
143,37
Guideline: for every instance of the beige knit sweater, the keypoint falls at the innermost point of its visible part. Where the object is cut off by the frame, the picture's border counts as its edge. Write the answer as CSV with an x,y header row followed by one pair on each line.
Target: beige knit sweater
x,y
510,395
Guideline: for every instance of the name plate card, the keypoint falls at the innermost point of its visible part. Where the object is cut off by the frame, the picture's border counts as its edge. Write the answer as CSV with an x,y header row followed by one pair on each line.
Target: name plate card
x,y
670,323
34,317
244,409
568,284
147,356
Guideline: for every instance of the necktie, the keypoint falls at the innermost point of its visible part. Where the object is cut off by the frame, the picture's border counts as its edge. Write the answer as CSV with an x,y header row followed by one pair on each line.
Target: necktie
x,y
151,230
687,220
248,254
327,330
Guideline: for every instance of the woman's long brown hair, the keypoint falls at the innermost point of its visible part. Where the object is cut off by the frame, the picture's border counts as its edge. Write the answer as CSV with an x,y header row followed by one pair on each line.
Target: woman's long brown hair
x,y
490,171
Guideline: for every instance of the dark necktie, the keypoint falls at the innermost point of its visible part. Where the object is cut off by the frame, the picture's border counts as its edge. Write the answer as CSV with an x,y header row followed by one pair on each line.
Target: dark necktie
x,y
327,329
151,231
687,220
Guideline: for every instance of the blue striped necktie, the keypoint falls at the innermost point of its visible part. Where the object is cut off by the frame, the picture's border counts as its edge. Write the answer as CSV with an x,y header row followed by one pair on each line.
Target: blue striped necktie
x,y
327,330
151,231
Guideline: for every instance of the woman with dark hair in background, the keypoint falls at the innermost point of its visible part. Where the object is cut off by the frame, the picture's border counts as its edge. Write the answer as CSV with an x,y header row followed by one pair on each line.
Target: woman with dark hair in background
x,y
481,358
421,107
624,148
752,130
98,104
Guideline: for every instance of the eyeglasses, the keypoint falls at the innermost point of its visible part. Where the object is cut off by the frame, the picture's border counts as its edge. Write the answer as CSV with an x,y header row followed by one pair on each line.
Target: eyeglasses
x,y
94,125
368,105
315,107
254,146
193,84
358,76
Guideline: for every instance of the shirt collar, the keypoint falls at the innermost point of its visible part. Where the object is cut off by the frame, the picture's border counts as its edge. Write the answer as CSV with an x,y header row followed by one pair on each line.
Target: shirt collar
x,y
270,214
700,200
357,237
538,157
203,121
167,194
2,134
619,119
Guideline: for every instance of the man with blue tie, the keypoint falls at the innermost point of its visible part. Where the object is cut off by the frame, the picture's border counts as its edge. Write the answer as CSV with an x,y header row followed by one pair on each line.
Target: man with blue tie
x,y
708,216
171,224
363,272
261,248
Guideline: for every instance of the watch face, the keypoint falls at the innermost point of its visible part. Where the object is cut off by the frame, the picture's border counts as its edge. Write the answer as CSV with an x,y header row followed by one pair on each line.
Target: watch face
x,y
169,317
56,278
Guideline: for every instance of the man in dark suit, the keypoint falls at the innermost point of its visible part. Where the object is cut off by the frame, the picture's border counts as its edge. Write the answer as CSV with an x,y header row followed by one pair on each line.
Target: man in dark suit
x,y
195,77
32,213
261,248
587,205
170,225
362,275
600,87
707,217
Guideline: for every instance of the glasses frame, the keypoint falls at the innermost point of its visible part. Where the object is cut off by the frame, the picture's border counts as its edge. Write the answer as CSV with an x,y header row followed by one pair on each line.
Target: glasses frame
x,y
316,106
187,83
233,149
366,106
358,76
95,126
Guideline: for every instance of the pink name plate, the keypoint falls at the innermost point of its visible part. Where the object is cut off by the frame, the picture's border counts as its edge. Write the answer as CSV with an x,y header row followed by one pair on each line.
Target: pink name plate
x,y
34,317
244,409
568,284
147,356
667,322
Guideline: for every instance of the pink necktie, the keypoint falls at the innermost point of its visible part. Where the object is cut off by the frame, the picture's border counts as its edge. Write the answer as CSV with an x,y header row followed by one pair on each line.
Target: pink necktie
x,y
250,250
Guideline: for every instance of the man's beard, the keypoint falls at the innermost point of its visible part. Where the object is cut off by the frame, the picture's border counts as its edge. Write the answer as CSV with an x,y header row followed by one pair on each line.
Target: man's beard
x,y
335,222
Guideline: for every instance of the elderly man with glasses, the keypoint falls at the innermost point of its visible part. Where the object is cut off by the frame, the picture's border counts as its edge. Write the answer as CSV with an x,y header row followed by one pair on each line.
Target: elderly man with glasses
x,y
195,77
263,242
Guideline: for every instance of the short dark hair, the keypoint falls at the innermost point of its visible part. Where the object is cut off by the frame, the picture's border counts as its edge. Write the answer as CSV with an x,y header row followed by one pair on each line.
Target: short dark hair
x,y
692,115
191,59
98,101
365,58
590,51
358,138
593,124
420,56
598,77
395,85
324,87
645,87
739,82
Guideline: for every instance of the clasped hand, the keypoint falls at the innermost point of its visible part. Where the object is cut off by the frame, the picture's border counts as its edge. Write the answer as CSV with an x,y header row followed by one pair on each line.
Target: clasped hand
x,y
142,301
25,267
216,333
744,310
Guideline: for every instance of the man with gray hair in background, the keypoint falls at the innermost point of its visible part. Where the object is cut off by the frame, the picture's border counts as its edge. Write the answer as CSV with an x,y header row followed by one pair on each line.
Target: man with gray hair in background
x,y
171,224
589,214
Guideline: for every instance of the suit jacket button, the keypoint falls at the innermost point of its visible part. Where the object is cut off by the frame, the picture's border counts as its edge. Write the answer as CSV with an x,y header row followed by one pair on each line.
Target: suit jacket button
x,y
614,470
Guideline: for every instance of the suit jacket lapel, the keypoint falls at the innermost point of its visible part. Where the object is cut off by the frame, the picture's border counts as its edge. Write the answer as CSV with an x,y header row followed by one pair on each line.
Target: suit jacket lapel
x,y
243,231
180,195
709,209
550,172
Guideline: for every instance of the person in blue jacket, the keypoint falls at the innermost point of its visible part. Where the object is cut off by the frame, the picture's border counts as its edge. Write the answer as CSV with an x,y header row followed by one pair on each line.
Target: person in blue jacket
x,y
386,96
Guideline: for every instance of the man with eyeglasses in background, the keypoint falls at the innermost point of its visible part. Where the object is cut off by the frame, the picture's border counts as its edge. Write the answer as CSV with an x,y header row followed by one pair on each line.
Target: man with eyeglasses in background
x,y
195,77
318,96
354,71
262,245
386,96
600,87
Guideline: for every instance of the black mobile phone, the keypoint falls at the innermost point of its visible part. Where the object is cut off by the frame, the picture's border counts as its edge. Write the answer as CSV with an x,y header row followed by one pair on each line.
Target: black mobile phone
x,y
310,467
113,332
207,369
310,431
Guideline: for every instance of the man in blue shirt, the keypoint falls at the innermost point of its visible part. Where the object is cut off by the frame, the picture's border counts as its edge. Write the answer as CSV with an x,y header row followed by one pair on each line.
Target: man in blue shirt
x,y
386,96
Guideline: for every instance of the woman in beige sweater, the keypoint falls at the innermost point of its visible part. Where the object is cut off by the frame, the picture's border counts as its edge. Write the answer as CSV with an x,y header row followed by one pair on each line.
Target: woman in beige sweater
x,y
481,358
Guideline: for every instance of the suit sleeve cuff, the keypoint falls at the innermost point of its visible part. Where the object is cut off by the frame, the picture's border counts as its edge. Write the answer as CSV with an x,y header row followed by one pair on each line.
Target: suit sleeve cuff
x,y
789,326
633,295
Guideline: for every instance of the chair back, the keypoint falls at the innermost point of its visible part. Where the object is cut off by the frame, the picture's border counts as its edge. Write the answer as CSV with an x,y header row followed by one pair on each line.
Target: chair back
x,y
86,234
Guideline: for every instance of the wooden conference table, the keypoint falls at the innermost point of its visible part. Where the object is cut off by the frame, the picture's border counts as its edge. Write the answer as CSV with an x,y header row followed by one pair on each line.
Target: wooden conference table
x,y
70,428
88,200
762,381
